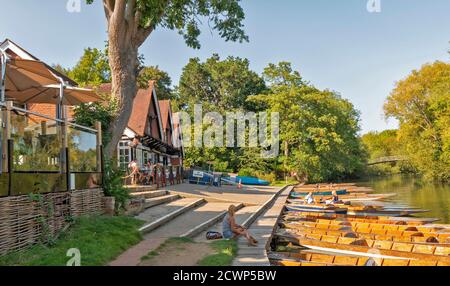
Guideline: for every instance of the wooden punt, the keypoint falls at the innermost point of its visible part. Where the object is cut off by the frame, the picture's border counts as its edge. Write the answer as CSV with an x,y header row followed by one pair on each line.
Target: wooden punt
x,y
311,186
295,194
352,210
311,258
350,198
369,248
349,189
360,218
374,234
319,209
367,226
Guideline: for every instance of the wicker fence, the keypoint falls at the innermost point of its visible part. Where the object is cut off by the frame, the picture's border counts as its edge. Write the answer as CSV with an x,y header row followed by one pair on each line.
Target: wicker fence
x,y
29,219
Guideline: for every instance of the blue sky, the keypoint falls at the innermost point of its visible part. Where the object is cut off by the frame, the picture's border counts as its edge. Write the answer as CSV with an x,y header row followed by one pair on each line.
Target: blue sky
x,y
336,44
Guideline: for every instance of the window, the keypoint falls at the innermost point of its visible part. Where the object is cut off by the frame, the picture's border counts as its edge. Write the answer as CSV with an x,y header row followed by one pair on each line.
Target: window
x,y
124,154
146,157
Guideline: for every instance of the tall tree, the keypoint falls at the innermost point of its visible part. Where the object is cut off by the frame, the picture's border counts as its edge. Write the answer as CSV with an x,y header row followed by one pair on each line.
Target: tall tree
x,y
221,85
131,22
92,68
421,103
162,79
318,129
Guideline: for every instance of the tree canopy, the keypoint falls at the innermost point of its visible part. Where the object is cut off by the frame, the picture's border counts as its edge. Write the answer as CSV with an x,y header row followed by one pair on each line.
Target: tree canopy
x,y
421,104
318,127
92,68
162,79
222,85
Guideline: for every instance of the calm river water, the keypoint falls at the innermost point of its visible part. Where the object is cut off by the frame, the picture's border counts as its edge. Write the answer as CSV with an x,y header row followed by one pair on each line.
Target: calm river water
x,y
415,193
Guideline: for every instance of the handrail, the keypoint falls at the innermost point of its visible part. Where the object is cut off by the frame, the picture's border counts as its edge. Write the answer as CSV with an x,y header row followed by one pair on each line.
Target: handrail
x,y
49,118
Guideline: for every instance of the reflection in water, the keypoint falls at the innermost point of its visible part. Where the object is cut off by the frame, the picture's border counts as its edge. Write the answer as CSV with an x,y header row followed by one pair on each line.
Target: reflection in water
x,y
415,193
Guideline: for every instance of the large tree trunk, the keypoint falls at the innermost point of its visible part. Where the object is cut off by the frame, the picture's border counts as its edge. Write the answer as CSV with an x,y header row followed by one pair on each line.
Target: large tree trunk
x,y
124,38
123,61
124,89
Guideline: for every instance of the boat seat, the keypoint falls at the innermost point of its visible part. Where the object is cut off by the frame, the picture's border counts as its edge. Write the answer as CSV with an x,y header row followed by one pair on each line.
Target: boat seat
x,y
442,250
443,236
314,236
322,258
346,260
426,249
362,224
382,237
382,244
363,229
422,263
377,226
334,227
362,261
390,227
395,262
378,231
335,233
395,232
402,247
403,238
328,238
443,263
321,226
345,240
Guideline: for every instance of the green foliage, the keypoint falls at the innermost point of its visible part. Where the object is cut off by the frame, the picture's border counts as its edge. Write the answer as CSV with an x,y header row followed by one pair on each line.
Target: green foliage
x,y
186,16
92,68
421,103
162,78
99,239
220,85
87,114
385,144
319,128
225,250
113,185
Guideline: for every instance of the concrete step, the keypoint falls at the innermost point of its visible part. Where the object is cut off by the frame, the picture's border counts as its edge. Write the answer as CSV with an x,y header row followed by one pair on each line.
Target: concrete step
x,y
135,189
241,216
171,216
160,200
188,221
148,194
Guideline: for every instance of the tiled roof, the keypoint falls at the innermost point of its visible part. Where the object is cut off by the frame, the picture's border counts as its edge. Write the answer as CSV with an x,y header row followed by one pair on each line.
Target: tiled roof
x,y
164,107
141,106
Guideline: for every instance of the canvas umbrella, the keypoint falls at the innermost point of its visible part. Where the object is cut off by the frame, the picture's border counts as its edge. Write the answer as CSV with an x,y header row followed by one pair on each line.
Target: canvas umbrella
x,y
19,75
52,94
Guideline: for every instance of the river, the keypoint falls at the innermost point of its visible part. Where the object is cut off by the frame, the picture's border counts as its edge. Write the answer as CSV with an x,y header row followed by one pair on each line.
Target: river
x,y
414,192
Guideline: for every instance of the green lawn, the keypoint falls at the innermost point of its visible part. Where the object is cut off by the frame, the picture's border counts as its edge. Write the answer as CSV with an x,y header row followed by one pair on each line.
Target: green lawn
x,y
225,250
281,183
99,239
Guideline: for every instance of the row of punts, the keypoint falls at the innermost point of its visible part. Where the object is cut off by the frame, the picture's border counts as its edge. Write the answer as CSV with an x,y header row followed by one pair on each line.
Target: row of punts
x,y
355,232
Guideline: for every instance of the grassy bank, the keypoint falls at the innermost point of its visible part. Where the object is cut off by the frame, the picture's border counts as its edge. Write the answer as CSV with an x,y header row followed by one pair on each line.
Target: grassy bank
x,y
225,250
99,239
282,183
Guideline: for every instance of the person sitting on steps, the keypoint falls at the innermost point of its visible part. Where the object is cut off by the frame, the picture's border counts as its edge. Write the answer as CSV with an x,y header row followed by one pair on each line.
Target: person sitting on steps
x,y
232,230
